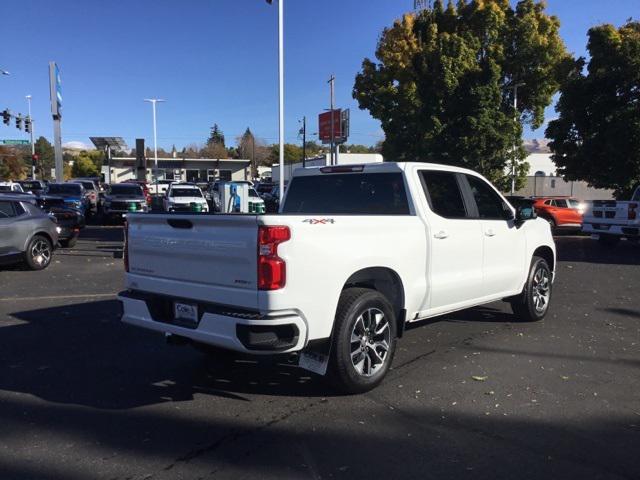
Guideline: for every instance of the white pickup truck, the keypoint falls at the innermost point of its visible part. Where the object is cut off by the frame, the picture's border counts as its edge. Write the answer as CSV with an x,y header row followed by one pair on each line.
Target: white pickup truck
x,y
355,254
608,221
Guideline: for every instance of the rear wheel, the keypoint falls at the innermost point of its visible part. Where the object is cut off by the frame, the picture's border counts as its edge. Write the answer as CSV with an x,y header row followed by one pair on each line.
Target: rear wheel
x,y
533,303
364,340
39,253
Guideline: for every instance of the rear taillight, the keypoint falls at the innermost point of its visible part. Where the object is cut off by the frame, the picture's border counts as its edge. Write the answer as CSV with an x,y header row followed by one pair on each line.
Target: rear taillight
x,y
632,211
125,251
272,270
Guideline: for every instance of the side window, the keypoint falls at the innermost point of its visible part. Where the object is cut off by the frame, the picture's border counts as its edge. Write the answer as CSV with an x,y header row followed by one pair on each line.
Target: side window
x,y
443,193
490,205
7,209
561,203
548,202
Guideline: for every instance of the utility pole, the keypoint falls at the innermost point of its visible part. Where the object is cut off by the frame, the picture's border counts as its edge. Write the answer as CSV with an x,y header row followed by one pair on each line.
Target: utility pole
x,y
331,82
304,142
254,170
33,147
515,87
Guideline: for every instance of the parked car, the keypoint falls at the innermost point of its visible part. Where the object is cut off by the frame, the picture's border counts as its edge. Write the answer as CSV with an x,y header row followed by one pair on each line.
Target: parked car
x,y
123,198
185,197
272,200
36,187
160,187
145,188
11,187
72,194
608,221
358,252
560,212
265,187
91,191
27,234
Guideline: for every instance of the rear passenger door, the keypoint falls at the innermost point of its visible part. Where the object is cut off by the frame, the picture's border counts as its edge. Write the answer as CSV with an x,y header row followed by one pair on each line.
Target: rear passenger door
x,y
504,244
8,229
455,240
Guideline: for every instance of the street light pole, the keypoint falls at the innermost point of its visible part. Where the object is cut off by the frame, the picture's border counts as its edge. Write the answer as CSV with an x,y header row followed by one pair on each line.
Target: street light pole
x,y
33,147
153,102
281,93
332,81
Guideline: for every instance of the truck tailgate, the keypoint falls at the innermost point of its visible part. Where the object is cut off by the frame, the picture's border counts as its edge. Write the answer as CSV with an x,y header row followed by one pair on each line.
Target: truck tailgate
x,y
212,256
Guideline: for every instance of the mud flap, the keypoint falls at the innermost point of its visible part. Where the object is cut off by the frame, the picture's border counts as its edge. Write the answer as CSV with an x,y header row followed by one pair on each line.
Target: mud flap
x,y
315,358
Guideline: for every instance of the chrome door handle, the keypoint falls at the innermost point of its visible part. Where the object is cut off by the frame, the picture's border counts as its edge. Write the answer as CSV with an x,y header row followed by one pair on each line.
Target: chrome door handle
x,y
490,233
441,234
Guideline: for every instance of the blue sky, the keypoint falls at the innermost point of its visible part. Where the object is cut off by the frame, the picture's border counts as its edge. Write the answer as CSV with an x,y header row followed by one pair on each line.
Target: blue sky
x,y
212,60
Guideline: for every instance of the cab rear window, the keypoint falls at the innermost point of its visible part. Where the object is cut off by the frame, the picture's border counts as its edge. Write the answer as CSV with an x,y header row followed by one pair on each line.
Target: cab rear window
x,y
348,194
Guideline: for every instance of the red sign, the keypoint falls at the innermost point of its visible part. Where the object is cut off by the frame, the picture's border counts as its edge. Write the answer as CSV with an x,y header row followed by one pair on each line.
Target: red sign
x,y
324,126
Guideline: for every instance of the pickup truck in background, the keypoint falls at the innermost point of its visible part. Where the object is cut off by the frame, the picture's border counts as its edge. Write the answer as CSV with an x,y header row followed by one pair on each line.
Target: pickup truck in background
x,y
356,253
609,221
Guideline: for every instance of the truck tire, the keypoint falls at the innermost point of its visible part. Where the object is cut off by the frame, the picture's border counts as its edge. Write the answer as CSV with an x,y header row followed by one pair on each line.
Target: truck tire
x,y
533,303
364,340
39,253
608,240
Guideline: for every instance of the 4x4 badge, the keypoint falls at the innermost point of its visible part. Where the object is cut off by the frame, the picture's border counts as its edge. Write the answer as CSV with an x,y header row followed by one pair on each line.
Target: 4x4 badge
x,y
318,221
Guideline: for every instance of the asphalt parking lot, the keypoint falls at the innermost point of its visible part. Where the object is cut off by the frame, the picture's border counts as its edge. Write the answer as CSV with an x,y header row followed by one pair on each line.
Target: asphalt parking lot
x,y
471,395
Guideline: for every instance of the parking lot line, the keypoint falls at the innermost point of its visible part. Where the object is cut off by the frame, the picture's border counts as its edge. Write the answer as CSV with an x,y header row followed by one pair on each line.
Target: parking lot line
x,y
59,297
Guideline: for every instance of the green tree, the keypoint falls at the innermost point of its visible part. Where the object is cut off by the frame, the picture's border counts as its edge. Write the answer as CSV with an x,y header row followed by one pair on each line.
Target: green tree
x,y
216,137
441,83
215,147
596,137
292,154
84,166
12,167
357,149
46,155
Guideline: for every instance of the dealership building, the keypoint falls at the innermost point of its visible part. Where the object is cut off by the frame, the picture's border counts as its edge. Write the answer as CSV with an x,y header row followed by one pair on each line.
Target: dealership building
x,y
181,169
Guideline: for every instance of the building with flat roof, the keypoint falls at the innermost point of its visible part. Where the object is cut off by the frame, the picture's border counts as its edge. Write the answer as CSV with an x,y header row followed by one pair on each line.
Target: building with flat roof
x,y
181,169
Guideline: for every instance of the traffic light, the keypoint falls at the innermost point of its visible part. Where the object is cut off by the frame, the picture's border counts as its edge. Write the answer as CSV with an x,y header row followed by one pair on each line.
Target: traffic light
x,y
27,124
19,122
6,117
34,159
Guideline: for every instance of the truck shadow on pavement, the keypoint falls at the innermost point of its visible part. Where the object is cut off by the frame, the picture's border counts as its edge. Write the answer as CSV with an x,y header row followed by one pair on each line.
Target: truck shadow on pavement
x,y
82,354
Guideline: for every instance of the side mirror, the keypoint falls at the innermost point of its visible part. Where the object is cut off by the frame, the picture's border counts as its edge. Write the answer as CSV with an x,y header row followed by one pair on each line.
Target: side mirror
x,y
524,213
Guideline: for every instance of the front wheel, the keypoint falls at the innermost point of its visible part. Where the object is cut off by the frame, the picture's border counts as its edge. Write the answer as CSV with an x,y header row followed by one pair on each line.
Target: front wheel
x,y
39,253
364,340
533,303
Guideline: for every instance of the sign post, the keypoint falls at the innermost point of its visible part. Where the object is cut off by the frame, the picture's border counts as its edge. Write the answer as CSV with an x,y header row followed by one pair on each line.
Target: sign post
x,y
56,111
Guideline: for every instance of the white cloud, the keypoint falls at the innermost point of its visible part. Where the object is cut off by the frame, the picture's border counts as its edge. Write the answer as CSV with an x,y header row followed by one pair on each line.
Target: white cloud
x,y
75,145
